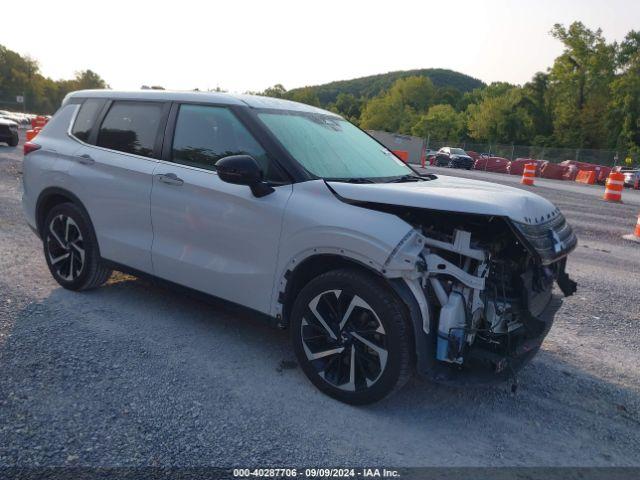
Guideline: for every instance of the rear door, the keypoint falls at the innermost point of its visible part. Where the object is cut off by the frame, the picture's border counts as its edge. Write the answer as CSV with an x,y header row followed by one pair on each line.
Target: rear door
x,y
113,177
210,235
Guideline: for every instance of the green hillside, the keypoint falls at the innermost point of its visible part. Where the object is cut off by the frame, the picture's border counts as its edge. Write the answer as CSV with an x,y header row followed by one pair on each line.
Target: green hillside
x,y
374,84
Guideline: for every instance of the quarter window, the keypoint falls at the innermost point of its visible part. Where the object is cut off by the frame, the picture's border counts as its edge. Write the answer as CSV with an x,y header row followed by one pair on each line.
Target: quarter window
x,y
204,135
131,127
86,118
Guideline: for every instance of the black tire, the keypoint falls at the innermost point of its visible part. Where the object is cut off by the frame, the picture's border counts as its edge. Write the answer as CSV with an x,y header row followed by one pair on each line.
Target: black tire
x,y
354,372
66,233
14,141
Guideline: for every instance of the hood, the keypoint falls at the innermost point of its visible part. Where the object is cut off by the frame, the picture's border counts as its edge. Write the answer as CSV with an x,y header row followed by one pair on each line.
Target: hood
x,y
465,157
453,194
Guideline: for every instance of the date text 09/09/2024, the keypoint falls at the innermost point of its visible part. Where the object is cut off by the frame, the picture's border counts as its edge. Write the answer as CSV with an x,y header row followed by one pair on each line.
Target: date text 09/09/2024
x,y
316,472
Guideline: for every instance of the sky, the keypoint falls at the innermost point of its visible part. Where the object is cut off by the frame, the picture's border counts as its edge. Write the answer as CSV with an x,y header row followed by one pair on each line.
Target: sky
x,y
243,45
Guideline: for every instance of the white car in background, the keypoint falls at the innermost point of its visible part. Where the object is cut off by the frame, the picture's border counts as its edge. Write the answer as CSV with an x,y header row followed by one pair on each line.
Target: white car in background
x,y
631,177
298,215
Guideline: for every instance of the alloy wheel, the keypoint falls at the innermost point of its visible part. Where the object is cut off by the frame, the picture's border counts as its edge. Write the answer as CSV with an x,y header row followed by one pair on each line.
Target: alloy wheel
x,y
344,340
65,247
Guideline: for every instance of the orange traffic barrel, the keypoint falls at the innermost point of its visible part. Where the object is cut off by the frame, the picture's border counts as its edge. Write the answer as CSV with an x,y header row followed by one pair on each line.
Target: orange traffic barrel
x,y
528,174
613,187
30,134
635,236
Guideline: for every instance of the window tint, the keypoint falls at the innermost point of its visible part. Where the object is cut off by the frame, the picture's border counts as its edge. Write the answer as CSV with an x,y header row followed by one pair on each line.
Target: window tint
x,y
131,127
86,118
205,134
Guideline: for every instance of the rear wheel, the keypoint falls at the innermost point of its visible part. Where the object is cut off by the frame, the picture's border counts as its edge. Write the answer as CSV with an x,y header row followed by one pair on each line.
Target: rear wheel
x,y
14,141
350,336
71,249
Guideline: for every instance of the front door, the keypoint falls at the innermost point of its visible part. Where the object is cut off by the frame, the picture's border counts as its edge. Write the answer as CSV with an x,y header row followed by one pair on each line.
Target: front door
x,y
210,235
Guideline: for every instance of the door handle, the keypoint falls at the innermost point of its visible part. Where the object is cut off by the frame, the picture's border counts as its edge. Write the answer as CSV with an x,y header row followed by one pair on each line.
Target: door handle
x,y
85,159
170,179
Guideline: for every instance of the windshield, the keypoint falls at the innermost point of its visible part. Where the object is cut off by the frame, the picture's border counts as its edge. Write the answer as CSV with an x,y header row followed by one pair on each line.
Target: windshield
x,y
458,151
332,148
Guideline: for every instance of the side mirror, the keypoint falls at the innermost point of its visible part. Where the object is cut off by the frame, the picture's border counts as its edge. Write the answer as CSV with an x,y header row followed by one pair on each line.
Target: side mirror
x,y
243,170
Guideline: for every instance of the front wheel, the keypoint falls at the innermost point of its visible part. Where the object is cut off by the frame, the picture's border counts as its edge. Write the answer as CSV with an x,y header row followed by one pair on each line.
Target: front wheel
x,y
14,141
350,335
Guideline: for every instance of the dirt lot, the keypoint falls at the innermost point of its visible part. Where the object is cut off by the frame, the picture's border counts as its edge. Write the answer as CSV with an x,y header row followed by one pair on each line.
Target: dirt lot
x,y
132,374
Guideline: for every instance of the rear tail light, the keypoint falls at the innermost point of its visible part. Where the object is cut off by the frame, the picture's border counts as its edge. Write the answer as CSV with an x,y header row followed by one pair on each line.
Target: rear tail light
x,y
30,147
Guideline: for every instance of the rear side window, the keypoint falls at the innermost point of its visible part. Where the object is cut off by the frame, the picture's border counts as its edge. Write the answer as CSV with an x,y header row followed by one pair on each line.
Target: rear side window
x,y
131,127
86,118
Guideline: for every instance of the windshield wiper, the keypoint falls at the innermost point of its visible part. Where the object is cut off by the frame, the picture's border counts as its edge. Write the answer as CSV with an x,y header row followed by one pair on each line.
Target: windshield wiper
x,y
351,180
408,178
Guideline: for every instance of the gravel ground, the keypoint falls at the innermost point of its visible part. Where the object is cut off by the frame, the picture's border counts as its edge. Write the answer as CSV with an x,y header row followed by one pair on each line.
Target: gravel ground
x,y
135,375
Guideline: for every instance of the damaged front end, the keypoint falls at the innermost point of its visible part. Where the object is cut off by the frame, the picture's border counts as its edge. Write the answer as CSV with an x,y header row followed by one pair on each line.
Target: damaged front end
x,y
486,284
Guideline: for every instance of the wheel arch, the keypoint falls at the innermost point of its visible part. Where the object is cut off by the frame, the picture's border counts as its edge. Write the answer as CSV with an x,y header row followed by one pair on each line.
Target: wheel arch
x,y
311,267
49,198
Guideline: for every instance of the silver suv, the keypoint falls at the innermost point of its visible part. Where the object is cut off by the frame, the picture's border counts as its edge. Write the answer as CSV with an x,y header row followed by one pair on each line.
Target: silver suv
x,y
295,213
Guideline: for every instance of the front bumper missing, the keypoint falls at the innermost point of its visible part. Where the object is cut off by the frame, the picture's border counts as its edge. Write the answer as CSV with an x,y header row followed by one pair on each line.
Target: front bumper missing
x,y
483,367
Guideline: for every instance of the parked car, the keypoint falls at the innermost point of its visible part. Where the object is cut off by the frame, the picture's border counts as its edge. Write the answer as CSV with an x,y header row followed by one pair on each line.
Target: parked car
x,y
428,152
298,215
631,178
453,158
9,132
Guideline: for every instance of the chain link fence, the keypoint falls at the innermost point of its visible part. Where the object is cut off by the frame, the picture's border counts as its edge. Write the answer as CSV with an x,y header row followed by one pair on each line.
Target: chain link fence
x,y
609,158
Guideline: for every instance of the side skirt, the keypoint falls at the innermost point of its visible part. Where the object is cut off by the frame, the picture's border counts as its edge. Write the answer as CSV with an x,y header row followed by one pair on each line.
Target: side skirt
x,y
187,291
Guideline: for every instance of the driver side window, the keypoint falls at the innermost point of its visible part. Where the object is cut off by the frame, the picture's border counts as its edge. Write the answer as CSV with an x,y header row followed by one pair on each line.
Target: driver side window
x,y
204,134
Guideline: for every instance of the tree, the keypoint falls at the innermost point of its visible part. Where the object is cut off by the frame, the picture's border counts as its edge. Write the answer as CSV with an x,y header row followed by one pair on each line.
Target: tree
x,y
441,122
306,95
277,91
448,95
579,86
348,106
383,112
535,101
88,79
415,92
501,119
397,110
624,119
477,95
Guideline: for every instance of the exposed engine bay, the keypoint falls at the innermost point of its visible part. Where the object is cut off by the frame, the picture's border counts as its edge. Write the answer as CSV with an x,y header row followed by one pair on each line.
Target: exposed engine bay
x,y
489,282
